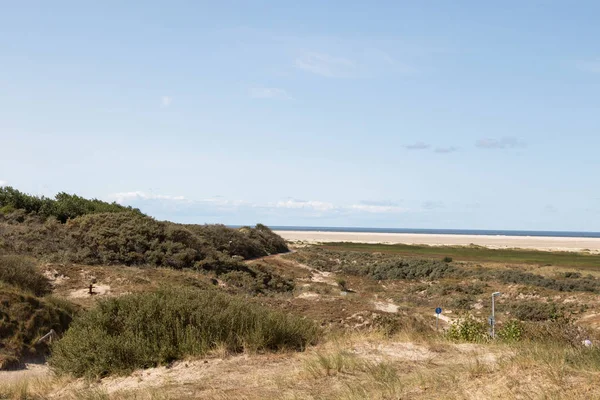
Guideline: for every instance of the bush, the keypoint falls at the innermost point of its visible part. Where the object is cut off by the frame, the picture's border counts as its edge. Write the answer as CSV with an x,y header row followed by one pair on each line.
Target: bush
x,y
447,259
257,279
376,266
511,331
468,329
21,272
536,311
149,329
25,319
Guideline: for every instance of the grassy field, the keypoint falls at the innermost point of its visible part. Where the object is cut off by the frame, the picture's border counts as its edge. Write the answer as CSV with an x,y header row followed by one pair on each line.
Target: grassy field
x,y
477,253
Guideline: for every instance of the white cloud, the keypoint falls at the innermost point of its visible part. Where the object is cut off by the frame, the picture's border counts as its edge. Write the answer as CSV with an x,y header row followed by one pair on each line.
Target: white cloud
x,y
269,93
506,142
445,150
302,204
589,66
417,146
218,205
166,101
326,65
377,209
3,183
125,197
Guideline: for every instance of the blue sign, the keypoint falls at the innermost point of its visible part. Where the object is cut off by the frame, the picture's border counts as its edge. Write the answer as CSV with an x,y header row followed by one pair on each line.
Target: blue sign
x,y
438,310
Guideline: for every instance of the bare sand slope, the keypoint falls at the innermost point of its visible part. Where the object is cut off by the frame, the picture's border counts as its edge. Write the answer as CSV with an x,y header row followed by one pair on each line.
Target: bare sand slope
x,y
524,242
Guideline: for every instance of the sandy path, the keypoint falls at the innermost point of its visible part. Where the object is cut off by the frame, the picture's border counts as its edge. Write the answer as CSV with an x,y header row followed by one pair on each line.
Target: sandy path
x,y
525,242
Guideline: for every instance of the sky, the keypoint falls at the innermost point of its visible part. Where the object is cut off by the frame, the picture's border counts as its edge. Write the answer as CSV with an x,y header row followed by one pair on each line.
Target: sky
x,y
398,114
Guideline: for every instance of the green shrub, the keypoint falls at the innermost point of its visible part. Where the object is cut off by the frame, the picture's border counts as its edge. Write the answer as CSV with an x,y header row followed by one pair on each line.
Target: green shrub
x,y
376,266
149,329
258,278
64,206
447,259
468,329
511,331
21,272
536,311
24,319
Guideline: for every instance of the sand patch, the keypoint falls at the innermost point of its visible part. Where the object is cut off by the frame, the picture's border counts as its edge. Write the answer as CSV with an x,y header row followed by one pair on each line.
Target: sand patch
x,y
387,307
308,295
98,290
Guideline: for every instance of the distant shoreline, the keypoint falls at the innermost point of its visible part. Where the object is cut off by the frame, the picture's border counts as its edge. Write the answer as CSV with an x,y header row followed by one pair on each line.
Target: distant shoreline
x,y
419,231
546,243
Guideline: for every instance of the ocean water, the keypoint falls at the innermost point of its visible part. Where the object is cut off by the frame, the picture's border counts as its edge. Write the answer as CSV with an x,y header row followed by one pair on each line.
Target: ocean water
x,y
440,231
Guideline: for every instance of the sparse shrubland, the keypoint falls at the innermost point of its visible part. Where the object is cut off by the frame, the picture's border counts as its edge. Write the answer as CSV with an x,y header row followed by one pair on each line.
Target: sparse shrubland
x,y
148,329
390,266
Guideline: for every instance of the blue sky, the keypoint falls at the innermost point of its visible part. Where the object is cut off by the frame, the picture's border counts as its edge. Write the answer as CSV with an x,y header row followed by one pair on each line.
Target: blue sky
x,y
464,114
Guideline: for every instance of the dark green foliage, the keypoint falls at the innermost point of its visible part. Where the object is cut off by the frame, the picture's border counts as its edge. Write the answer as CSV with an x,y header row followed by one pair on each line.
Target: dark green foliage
x,y
24,319
149,329
573,283
21,272
63,207
257,278
536,311
135,239
411,269
447,259
376,266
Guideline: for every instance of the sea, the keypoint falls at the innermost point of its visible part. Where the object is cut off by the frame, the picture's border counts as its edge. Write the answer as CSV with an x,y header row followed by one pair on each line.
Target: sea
x,y
440,231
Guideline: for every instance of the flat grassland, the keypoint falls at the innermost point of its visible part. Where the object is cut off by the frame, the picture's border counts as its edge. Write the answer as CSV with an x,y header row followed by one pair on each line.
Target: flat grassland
x,y
585,260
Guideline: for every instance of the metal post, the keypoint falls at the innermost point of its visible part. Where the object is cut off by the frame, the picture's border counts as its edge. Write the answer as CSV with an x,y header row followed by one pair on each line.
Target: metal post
x,y
493,318
493,322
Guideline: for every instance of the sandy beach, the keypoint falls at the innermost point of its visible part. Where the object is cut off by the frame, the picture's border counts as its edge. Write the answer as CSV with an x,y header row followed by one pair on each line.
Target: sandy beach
x,y
495,242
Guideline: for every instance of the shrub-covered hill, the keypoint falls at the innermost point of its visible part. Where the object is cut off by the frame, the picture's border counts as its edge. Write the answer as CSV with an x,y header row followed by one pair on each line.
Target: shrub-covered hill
x,y
96,232
63,207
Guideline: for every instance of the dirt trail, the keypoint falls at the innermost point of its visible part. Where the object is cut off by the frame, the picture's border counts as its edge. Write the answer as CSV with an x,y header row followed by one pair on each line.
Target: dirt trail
x,y
316,275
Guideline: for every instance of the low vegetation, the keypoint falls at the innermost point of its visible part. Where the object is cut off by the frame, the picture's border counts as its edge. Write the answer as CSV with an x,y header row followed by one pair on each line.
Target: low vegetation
x,y
386,266
149,329
581,261
21,272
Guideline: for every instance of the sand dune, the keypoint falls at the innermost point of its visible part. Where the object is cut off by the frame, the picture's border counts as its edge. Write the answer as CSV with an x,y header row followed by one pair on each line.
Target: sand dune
x,y
524,242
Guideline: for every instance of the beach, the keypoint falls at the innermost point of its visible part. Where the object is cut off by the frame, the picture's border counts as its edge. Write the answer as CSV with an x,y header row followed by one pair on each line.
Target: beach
x,y
495,242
